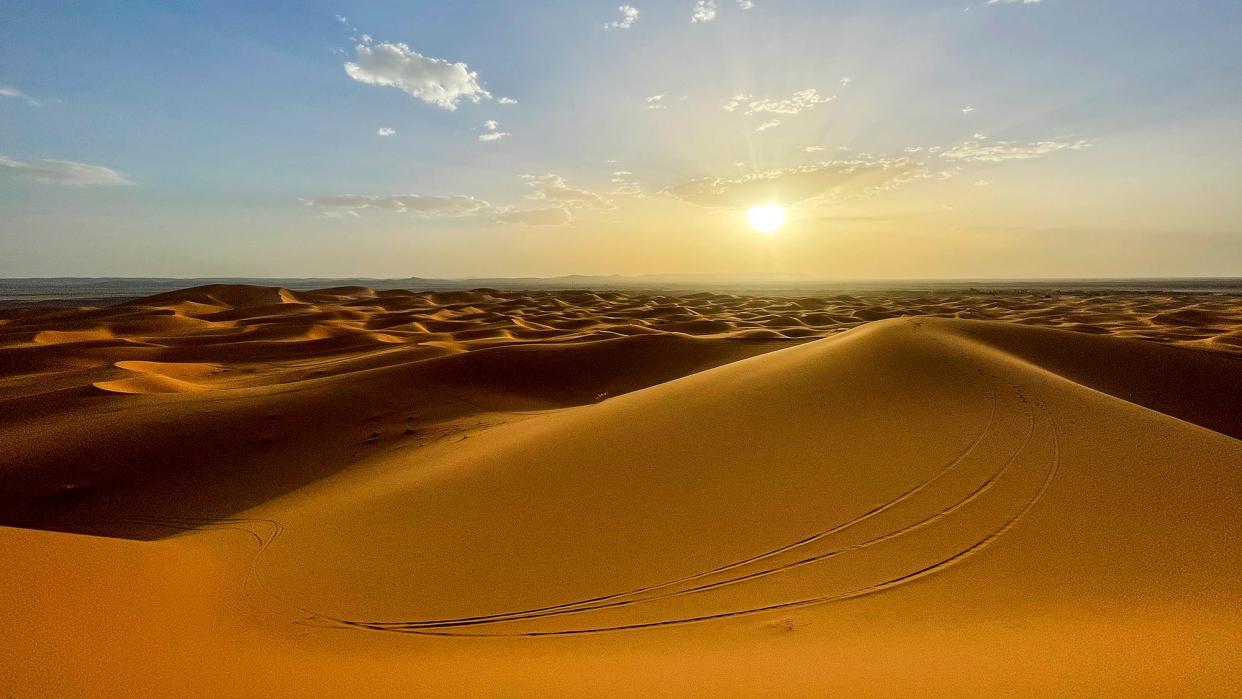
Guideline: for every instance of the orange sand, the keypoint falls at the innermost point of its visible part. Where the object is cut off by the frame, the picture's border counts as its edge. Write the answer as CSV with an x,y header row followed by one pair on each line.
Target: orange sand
x,y
241,491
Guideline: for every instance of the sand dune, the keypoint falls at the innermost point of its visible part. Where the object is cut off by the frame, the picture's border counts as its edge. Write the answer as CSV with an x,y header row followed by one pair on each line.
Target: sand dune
x,y
348,491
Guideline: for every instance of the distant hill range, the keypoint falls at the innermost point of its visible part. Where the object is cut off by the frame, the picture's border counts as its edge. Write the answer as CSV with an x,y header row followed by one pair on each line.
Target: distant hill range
x,y
110,289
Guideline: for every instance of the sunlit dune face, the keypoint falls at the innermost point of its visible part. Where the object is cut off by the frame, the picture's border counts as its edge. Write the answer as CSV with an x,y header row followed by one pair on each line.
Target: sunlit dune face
x,y
766,219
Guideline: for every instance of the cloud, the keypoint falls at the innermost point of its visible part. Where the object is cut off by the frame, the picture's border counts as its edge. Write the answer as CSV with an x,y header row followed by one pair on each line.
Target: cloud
x,y
536,217
625,184
656,102
745,4
554,190
432,80
1013,2
492,132
967,110
830,180
794,104
447,206
979,149
769,124
845,82
506,100
629,15
14,93
64,172
385,131
813,149
704,11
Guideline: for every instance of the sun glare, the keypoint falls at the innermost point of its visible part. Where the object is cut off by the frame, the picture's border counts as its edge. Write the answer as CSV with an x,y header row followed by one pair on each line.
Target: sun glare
x,y
766,219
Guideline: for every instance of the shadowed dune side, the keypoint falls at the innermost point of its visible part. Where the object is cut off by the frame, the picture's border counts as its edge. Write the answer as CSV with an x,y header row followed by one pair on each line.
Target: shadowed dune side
x,y
1199,387
75,458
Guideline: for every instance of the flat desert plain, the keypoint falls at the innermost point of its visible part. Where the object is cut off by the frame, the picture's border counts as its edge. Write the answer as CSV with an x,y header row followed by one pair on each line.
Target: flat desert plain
x,y
250,491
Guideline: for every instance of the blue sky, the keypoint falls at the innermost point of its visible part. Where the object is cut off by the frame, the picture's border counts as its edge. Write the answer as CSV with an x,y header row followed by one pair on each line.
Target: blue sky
x,y
914,138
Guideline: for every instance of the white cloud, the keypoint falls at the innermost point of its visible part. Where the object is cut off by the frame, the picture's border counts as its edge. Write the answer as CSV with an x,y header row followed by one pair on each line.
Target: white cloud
x,y
813,149
432,80
625,184
769,124
656,102
745,4
492,131
796,103
14,93
385,131
967,110
704,11
447,206
629,15
845,82
506,100
830,180
978,150
64,172
553,189
536,217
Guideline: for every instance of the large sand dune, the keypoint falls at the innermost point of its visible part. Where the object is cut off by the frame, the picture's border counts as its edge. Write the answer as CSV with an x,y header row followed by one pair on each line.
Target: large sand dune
x,y
239,491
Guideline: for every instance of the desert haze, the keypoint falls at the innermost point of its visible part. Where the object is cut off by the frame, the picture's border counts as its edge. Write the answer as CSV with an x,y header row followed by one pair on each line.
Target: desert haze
x,y
247,490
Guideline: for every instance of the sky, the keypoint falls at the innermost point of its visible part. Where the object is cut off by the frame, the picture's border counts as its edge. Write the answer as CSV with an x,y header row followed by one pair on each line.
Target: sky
x,y
903,138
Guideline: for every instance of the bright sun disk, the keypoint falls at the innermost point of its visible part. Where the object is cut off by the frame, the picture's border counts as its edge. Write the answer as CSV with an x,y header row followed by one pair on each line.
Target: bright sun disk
x,y
766,219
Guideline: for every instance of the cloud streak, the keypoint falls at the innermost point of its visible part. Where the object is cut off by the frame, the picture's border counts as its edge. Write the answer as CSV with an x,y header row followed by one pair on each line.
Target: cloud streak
x,y
445,206
796,103
64,172
14,93
979,149
825,181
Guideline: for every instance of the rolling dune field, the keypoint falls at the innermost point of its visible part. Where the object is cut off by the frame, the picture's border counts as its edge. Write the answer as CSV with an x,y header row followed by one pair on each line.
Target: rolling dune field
x,y
251,491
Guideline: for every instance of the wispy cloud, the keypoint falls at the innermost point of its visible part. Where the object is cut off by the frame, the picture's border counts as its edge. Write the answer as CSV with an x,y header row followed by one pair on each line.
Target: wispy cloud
x,y
64,172
452,205
769,124
656,102
432,80
554,190
979,149
629,15
492,132
385,131
535,217
830,180
14,93
794,104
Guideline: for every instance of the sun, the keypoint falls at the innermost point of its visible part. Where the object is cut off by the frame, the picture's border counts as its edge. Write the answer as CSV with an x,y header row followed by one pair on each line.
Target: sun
x,y
766,219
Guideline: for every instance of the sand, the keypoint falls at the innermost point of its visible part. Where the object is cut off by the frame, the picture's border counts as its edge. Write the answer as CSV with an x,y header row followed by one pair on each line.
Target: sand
x,y
241,491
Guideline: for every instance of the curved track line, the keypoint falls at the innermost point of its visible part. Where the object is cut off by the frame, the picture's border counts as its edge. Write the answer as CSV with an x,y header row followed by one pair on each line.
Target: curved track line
x,y
956,461
922,524
853,594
